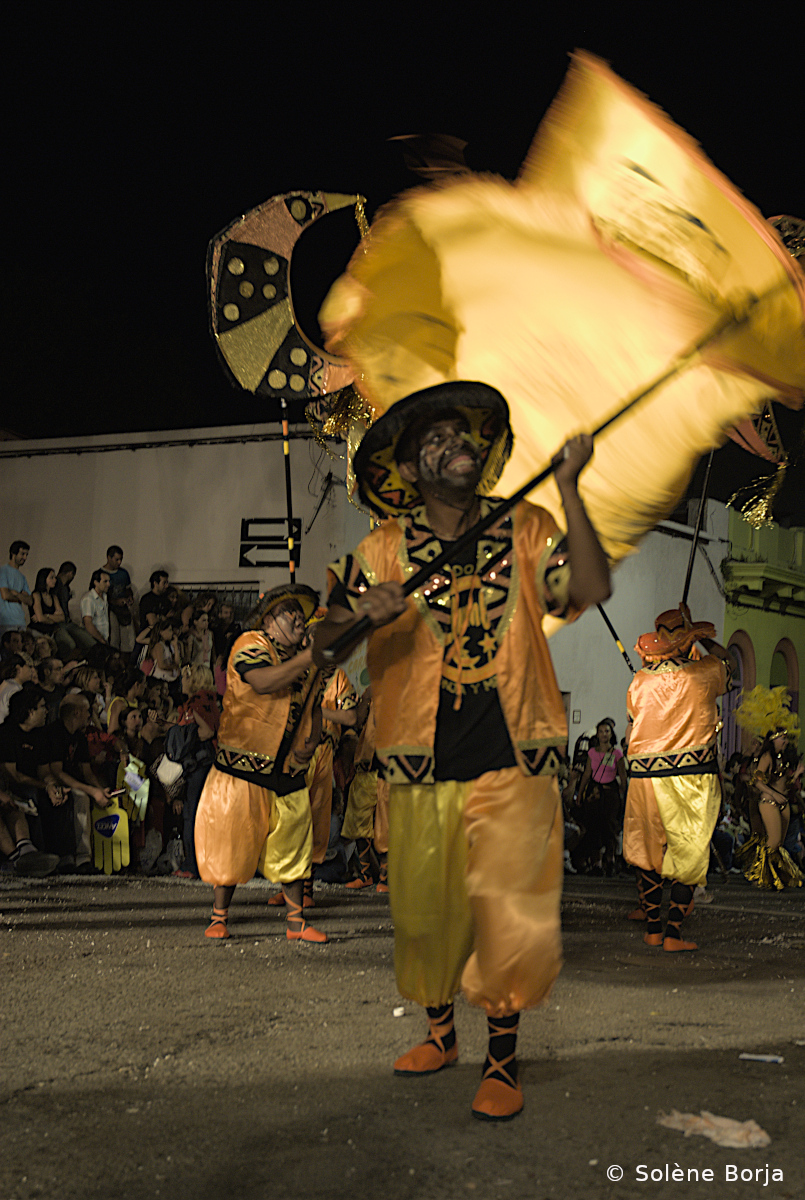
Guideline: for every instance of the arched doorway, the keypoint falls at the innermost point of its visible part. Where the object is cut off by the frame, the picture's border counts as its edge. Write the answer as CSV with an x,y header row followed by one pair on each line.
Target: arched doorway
x,y
785,670
742,653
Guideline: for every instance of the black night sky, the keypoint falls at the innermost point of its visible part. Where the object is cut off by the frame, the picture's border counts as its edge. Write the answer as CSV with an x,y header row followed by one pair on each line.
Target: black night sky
x,y
136,138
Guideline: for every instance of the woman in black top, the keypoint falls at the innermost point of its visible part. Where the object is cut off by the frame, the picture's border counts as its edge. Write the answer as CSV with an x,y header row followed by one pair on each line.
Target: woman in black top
x,y
47,614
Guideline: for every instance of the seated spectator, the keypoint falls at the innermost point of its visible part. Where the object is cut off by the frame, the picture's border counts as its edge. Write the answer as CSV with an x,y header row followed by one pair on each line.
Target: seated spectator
x,y
69,764
51,681
159,704
121,601
16,845
69,636
14,673
198,645
204,602
10,643
15,595
127,692
24,759
201,708
95,607
164,653
44,647
225,631
155,604
88,681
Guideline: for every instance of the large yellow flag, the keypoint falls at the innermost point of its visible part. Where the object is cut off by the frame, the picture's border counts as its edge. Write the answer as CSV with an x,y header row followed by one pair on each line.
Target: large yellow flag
x,y
618,248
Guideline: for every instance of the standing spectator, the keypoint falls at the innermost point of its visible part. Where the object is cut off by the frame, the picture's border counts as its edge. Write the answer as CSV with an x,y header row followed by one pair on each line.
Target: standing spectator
x,y
121,601
15,595
95,607
15,673
155,604
51,681
69,636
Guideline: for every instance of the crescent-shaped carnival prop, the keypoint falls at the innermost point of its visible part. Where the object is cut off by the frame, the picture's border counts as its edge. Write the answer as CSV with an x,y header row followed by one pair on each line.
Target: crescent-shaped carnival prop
x,y
619,248
261,347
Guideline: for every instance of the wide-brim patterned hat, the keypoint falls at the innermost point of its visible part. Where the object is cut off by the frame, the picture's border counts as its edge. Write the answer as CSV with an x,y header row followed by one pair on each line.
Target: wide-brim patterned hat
x,y
306,597
380,484
673,636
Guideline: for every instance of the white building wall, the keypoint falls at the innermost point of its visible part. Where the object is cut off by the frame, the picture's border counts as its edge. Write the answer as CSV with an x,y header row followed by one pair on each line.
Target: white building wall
x,y
174,506
589,665
179,507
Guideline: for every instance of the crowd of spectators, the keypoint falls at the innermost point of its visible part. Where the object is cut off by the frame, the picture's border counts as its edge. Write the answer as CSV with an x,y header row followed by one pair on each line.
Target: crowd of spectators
x,y
594,783
85,709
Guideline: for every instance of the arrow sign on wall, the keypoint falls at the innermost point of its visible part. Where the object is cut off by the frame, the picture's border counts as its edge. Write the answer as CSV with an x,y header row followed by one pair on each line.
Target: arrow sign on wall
x,y
264,541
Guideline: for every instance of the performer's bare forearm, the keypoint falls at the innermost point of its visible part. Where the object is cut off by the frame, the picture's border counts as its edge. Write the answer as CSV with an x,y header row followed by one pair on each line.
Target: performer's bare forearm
x,y
589,569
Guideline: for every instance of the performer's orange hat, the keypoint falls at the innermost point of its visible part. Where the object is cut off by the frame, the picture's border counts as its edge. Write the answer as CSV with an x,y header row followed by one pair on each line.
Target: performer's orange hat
x,y
674,635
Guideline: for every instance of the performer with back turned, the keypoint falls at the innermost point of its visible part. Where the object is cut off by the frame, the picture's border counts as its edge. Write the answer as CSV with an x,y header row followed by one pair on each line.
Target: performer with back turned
x,y
674,794
469,718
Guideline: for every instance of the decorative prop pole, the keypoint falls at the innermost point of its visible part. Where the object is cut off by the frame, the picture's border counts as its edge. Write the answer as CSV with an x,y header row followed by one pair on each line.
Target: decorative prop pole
x,y
697,530
286,450
618,642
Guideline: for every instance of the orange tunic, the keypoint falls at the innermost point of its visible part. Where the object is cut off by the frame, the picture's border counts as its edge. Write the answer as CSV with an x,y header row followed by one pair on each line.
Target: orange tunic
x,y
674,795
406,697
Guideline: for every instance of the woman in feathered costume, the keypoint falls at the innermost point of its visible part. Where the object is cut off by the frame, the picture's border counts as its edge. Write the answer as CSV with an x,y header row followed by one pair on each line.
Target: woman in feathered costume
x,y
763,859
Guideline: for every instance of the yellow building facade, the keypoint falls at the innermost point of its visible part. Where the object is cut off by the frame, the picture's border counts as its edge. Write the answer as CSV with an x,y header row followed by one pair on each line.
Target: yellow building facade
x,y
764,621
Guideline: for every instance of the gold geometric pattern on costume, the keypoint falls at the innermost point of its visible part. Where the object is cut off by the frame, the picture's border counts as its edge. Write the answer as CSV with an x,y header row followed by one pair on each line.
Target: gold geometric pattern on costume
x,y
541,760
230,759
408,767
251,657
470,597
697,760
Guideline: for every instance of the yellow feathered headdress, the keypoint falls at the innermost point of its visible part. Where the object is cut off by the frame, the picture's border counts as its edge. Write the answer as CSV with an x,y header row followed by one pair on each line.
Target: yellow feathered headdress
x,y
764,711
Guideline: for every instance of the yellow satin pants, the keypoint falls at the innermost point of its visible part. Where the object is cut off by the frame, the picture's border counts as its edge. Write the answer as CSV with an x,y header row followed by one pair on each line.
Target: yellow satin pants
x,y
242,828
475,880
320,787
668,824
367,814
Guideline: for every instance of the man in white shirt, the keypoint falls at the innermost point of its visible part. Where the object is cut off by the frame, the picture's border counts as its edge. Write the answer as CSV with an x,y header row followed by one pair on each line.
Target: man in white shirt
x,y
95,608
